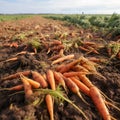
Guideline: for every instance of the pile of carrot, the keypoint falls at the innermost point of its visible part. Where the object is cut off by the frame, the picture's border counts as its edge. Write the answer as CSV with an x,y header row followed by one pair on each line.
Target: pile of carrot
x,y
72,76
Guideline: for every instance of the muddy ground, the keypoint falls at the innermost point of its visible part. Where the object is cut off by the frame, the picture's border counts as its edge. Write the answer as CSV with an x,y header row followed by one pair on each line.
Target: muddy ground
x,y
14,38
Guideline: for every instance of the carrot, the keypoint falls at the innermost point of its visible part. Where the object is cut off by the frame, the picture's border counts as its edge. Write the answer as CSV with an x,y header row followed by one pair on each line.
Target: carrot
x,y
56,42
72,73
85,80
99,102
79,68
50,78
73,87
49,103
16,75
39,78
81,86
33,83
59,47
68,66
59,79
27,87
84,49
17,87
63,59
55,57
11,59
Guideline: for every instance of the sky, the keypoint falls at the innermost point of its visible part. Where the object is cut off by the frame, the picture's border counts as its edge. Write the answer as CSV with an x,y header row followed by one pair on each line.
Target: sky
x,y
60,6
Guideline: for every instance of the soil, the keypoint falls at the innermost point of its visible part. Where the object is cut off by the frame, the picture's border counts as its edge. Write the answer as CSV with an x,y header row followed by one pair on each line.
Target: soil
x,y
14,38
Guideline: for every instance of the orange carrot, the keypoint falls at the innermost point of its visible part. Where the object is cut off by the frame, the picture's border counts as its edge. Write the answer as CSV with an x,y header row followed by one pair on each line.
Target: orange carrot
x,y
81,86
55,57
73,87
79,68
27,87
99,102
63,59
84,49
16,75
33,83
68,66
39,78
11,59
72,73
59,47
50,108
50,78
56,42
59,79
85,80
17,87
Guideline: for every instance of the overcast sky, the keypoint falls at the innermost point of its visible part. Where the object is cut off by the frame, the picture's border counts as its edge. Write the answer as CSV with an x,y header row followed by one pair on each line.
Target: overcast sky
x,y
60,6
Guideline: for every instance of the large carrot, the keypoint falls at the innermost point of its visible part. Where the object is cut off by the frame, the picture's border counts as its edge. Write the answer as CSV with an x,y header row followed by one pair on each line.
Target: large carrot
x,y
99,102
16,75
67,57
27,87
50,78
59,79
67,67
81,86
39,78
49,103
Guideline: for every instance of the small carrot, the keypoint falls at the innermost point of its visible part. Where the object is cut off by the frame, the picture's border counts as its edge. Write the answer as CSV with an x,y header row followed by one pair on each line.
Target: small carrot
x,y
27,87
16,75
99,102
39,78
33,83
56,42
59,47
63,59
59,79
55,57
50,78
49,103
11,59
17,87
84,49
72,73
79,68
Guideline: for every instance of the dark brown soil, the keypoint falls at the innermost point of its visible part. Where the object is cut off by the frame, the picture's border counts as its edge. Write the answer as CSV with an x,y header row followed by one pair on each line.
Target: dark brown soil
x,y
15,107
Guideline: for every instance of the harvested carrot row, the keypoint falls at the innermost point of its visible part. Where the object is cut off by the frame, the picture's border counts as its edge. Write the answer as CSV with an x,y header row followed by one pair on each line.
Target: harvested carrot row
x,y
49,103
16,75
50,78
39,78
33,83
27,87
63,59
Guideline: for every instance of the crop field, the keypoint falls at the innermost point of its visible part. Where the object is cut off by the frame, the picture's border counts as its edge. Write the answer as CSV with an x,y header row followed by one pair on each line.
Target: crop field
x,y
60,67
